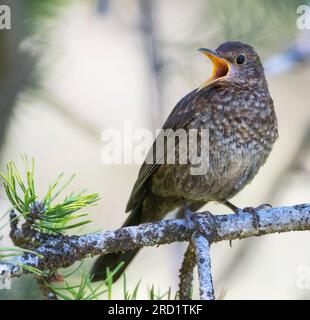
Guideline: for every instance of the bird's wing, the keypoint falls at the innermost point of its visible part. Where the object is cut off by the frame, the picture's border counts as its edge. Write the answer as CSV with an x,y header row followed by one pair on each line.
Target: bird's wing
x,y
184,112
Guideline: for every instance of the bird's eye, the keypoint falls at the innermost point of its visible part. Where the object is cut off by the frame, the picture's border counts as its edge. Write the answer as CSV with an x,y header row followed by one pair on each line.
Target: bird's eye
x,y
240,59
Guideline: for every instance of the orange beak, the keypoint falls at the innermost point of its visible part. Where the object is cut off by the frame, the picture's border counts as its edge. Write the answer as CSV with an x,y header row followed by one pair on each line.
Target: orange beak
x,y
220,68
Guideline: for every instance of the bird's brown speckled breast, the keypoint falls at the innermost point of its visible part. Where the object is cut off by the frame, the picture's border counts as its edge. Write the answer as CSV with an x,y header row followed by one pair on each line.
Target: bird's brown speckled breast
x,y
242,132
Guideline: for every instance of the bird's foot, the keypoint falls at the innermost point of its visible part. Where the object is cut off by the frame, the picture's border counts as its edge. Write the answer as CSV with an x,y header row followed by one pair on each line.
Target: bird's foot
x,y
250,210
264,206
253,212
208,229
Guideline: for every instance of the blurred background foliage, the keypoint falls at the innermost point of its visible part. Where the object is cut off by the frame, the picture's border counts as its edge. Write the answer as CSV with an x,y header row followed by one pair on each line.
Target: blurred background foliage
x,y
268,25
70,69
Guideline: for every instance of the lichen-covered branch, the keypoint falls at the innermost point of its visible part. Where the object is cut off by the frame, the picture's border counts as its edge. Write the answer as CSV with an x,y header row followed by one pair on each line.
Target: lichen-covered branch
x,y
202,250
186,273
62,251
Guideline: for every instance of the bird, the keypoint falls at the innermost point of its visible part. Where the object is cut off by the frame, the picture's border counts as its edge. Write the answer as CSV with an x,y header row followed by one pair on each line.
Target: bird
x,y
236,108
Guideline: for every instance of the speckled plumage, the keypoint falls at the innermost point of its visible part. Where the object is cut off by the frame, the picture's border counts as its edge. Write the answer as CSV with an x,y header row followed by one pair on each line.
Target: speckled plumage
x,y
238,112
239,143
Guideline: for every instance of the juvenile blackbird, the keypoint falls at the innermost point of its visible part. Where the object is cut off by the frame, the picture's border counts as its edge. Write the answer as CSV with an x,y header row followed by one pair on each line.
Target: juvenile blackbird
x,y
236,107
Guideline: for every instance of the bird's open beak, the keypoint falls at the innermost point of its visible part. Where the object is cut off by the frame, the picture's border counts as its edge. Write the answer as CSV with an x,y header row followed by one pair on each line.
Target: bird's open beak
x,y
220,67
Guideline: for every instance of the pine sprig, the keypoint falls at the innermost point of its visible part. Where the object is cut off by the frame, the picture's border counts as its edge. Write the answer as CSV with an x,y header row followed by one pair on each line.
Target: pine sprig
x,y
86,290
82,291
44,215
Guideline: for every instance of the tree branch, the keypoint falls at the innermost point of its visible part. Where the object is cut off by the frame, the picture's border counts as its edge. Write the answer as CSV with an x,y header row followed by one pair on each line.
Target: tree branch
x,y
186,273
60,251
202,250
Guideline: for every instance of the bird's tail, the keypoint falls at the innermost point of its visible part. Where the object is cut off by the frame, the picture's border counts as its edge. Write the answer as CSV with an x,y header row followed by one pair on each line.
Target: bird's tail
x,y
112,260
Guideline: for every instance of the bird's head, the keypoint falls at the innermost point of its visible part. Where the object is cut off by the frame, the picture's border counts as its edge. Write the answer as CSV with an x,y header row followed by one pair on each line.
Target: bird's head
x,y
236,63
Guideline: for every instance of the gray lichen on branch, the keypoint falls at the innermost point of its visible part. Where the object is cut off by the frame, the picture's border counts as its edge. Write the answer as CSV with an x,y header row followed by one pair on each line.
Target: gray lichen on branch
x,y
202,250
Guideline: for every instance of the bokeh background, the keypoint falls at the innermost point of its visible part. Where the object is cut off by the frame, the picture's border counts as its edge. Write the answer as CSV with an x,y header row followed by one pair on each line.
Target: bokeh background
x,y
71,69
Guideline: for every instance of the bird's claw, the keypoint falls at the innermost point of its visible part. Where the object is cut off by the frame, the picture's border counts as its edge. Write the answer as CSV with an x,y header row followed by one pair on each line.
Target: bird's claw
x,y
192,220
253,212
264,206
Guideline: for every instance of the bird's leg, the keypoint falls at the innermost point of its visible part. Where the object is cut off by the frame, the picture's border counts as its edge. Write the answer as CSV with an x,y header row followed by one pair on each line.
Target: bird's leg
x,y
237,210
192,220
231,206
251,210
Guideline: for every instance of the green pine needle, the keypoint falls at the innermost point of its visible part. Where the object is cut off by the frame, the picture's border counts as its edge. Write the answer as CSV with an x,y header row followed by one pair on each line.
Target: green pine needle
x,y
44,215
